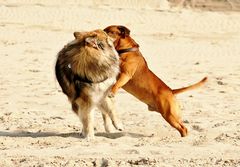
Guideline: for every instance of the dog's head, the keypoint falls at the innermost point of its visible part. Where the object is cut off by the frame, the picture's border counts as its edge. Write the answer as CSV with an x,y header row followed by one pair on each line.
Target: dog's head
x,y
121,36
117,31
89,59
90,56
97,39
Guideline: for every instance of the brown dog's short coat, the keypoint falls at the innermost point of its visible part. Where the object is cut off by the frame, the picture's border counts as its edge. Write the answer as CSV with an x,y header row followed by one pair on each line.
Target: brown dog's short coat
x,y
137,79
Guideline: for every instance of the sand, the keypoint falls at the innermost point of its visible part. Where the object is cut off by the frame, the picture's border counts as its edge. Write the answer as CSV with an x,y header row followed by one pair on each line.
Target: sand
x,y
181,46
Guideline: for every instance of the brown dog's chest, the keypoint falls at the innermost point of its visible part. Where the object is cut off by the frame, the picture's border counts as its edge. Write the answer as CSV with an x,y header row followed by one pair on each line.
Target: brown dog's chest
x,y
140,83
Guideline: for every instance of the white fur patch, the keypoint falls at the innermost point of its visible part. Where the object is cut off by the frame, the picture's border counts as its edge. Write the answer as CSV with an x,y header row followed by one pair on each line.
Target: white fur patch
x,y
98,91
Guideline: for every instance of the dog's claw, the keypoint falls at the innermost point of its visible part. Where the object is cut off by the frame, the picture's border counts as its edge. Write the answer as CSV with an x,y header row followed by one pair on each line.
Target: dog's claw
x,y
119,126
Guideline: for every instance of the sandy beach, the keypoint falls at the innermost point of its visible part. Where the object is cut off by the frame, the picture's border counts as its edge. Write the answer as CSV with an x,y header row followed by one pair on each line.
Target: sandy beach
x,y
181,46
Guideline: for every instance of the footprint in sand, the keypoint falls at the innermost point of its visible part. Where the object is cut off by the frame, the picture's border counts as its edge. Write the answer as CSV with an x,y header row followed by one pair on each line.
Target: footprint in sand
x,y
132,151
219,124
200,140
233,139
197,128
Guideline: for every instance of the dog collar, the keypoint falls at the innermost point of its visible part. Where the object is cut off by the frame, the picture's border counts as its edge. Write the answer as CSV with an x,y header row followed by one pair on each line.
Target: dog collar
x,y
127,50
86,80
82,79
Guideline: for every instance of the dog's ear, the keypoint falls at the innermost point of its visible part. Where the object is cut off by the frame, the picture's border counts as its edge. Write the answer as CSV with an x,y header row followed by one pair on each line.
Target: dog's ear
x,y
124,31
77,35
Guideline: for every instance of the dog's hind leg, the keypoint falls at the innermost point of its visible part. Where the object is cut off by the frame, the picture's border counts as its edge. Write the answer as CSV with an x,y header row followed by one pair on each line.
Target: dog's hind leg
x,y
171,113
86,115
176,123
107,107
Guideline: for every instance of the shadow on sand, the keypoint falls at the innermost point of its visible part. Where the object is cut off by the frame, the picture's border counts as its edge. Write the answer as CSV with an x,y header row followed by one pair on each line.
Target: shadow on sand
x,y
65,135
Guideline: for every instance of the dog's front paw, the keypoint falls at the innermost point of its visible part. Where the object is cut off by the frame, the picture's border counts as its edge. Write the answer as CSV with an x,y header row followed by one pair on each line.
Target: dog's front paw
x,y
111,95
108,128
88,137
118,126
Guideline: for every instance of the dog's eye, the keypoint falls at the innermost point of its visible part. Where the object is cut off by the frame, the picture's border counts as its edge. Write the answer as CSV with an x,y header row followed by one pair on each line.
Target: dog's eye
x,y
100,45
111,33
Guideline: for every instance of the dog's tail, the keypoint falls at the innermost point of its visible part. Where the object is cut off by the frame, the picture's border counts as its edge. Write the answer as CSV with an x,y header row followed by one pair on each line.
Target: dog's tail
x,y
191,87
64,78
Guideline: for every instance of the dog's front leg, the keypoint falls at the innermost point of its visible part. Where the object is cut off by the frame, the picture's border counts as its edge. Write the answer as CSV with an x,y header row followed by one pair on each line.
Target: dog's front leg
x,y
107,122
107,107
122,80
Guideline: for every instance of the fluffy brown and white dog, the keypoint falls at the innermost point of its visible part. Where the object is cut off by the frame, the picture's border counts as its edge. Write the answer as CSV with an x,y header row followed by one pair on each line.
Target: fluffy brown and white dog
x,y
137,79
86,69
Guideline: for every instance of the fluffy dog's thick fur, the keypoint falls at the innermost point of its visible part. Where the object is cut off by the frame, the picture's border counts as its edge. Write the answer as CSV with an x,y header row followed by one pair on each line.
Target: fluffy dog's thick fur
x,y
86,69
137,79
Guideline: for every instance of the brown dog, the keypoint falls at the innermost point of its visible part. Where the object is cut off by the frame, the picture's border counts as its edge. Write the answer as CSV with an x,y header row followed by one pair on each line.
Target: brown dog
x,y
138,80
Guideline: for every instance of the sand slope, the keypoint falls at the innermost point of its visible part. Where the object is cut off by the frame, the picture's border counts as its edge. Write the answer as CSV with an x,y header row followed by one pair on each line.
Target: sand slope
x,y
37,126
